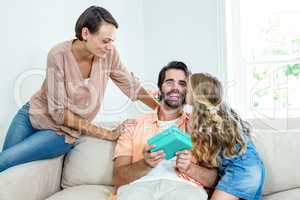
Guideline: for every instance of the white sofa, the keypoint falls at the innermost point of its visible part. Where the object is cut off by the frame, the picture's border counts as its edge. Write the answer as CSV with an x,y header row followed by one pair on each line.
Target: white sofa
x,y
86,172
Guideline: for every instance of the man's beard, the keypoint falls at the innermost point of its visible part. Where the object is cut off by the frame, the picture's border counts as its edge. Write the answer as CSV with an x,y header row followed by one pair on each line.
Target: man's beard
x,y
173,104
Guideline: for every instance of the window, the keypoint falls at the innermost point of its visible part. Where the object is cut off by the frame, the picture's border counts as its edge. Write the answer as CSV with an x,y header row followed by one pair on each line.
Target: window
x,y
263,60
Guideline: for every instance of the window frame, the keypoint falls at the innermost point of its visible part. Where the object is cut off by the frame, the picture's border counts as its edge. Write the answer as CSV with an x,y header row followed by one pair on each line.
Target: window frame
x,y
229,56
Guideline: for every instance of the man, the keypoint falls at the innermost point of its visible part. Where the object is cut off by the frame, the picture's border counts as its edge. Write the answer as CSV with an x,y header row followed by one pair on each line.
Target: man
x,y
140,174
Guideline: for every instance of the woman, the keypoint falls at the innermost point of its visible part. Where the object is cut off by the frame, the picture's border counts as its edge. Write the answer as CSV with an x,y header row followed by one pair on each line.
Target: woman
x,y
70,97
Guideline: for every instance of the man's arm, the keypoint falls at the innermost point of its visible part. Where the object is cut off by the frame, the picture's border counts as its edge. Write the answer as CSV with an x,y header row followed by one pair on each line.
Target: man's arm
x,y
125,171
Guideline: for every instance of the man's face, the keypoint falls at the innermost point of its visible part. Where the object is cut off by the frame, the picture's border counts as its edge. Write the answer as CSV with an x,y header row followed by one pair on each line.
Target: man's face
x,y
174,88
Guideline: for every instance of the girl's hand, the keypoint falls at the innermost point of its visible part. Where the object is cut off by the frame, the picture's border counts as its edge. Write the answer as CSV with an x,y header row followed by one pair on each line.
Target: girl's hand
x,y
184,160
189,95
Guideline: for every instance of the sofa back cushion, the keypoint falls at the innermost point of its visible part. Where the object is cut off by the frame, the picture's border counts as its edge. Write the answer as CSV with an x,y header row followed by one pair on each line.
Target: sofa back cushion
x,y
280,154
90,162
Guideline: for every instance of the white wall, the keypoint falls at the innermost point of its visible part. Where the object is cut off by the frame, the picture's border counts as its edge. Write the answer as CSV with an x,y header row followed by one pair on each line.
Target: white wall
x,y
151,34
181,30
30,28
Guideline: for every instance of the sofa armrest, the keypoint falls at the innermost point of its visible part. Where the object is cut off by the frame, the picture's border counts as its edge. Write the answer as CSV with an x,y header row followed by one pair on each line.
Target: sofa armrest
x,y
31,181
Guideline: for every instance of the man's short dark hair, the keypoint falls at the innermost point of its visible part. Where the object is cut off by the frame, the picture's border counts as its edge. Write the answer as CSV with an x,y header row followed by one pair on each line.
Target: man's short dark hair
x,y
92,18
171,65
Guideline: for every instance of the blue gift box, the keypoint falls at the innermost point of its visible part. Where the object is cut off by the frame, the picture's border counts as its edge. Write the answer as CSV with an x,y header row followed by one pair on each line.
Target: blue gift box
x,y
170,141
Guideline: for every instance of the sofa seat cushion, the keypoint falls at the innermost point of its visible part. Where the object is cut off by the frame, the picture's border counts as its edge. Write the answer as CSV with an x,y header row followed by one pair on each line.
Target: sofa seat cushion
x,y
89,163
34,180
293,194
89,192
280,154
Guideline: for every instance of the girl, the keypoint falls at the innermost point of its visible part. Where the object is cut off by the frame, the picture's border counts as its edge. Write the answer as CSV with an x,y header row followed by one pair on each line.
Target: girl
x,y
221,139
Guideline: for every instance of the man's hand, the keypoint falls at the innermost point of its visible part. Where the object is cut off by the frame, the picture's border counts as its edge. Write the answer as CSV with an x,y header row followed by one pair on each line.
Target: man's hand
x,y
152,159
184,160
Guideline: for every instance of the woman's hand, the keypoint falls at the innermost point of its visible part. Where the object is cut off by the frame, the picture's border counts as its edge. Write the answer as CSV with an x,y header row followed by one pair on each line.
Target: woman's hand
x,y
114,134
122,128
184,160
145,97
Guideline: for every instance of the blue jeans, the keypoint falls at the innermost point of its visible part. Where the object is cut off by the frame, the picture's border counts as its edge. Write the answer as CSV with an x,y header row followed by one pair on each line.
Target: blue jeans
x,y
244,175
24,144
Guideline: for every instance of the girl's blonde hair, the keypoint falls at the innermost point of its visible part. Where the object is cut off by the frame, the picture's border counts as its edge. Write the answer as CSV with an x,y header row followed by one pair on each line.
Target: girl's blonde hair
x,y
215,127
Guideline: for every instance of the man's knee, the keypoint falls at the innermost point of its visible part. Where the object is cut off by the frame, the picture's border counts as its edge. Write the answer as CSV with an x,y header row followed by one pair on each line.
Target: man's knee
x,y
187,193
